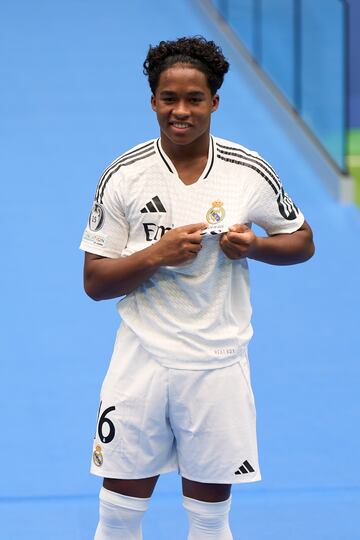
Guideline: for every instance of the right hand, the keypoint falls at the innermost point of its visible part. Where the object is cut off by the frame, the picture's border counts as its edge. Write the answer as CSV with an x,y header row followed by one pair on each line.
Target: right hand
x,y
179,245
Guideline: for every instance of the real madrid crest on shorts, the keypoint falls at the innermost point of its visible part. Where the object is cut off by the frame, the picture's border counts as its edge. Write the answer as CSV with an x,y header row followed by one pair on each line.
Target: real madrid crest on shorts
x,y
96,218
216,213
98,457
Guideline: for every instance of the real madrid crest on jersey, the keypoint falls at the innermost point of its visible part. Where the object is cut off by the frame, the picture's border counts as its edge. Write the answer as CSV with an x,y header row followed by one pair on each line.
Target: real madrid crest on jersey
x,y
215,217
216,213
98,457
96,218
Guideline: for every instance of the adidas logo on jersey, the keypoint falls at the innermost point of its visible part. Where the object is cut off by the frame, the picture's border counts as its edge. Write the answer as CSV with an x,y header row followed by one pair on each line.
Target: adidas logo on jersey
x,y
155,205
245,468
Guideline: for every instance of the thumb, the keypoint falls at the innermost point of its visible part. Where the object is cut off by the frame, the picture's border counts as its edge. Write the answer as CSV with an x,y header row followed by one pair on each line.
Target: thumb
x,y
239,228
194,227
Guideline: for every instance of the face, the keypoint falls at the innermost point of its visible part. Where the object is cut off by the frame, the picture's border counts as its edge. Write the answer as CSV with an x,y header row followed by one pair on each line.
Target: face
x,y
183,104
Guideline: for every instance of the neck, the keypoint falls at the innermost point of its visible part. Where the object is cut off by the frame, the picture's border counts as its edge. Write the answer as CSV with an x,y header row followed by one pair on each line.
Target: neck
x,y
184,152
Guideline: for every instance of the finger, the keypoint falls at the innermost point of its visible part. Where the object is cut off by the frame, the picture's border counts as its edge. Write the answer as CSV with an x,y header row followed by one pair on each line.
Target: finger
x,y
226,246
239,228
239,238
194,227
231,252
230,248
195,237
225,240
194,248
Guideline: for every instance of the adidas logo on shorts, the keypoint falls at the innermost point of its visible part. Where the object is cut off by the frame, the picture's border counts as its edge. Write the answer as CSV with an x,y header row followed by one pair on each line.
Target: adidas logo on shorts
x,y
245,468
155,205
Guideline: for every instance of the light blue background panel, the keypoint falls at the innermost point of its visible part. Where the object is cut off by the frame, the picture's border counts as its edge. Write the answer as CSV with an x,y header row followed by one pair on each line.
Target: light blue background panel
x,y
73,97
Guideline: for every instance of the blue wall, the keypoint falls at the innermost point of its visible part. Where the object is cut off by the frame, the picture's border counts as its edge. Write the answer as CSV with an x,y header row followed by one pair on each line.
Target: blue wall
x,y
73,97
354,64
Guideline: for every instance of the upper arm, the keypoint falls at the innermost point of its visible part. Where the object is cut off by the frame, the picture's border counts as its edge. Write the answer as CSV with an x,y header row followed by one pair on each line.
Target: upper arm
x,y
270,206
107,230
90,260
305,229
301,241
307,235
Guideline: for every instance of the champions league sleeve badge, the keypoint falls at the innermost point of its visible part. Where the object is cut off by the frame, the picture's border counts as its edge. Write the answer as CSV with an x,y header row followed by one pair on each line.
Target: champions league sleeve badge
x,y
96,218
215,216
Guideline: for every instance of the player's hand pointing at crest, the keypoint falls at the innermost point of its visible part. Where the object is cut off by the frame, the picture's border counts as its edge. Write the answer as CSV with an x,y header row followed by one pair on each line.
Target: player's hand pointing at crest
x,y
239,242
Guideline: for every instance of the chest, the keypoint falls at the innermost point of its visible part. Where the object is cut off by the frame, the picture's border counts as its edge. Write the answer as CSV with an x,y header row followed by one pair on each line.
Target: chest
x,y
157,204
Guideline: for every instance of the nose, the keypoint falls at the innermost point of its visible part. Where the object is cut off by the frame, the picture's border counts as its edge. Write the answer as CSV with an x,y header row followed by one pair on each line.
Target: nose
x,y
180,109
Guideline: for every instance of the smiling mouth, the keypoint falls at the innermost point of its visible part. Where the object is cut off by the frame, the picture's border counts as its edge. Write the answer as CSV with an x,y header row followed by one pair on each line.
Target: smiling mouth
x,y
180,125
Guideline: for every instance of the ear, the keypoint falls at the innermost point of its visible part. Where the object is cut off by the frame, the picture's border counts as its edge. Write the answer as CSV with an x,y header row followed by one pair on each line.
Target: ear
x,y
215,102
153,102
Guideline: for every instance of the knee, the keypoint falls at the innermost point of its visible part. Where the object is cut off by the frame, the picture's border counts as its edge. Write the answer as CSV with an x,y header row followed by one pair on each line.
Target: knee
x,y
120,514
208,520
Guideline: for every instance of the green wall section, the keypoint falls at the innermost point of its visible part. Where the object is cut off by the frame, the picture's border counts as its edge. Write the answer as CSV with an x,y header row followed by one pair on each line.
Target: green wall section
x,y
353,160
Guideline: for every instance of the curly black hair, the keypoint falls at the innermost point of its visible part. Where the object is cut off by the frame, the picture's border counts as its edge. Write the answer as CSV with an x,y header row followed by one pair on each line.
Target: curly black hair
x,y
202,54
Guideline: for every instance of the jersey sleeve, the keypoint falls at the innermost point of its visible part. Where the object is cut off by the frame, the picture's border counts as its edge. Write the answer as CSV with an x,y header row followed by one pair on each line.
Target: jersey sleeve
x,y
107,230
270,206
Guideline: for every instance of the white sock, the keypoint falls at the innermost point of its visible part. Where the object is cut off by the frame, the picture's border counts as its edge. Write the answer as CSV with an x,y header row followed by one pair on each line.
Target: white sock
x,y
208,520
120,516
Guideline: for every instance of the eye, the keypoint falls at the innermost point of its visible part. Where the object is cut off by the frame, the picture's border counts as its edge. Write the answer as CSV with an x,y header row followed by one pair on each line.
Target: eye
x,y
168,99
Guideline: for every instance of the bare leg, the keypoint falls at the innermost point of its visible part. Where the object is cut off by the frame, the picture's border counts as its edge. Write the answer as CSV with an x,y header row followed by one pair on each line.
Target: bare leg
x,y
206,492
142,488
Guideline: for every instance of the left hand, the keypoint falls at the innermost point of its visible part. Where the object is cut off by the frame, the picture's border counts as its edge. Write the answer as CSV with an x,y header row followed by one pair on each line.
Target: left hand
x,y
239,242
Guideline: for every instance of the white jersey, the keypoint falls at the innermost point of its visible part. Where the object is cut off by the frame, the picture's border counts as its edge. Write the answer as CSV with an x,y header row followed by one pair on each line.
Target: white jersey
x,y
197,315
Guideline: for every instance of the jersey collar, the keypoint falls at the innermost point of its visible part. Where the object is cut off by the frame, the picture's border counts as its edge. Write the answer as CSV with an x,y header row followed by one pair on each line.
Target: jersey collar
x,y
170,167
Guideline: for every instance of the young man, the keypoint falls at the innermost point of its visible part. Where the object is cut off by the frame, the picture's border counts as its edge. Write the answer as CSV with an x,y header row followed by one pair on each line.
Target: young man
x,y
170,230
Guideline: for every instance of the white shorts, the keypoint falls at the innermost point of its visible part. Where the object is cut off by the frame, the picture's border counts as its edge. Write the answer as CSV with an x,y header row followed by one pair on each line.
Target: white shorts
x,y
154,419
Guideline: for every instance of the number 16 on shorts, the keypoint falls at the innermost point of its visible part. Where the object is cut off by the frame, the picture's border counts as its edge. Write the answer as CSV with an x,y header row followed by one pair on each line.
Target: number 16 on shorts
x,y
105,430
105,427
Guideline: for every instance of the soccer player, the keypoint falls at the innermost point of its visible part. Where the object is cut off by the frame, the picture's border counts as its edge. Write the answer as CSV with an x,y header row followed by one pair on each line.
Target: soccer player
x,y
170,232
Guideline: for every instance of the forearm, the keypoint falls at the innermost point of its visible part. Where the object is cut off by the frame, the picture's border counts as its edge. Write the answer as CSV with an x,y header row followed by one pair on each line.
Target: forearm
x,y
110,278
284,249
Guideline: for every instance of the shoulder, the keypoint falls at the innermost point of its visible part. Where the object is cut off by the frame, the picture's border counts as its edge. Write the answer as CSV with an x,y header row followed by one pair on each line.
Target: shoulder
x,y
226,144
236,155
226,148
132,161
137,153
